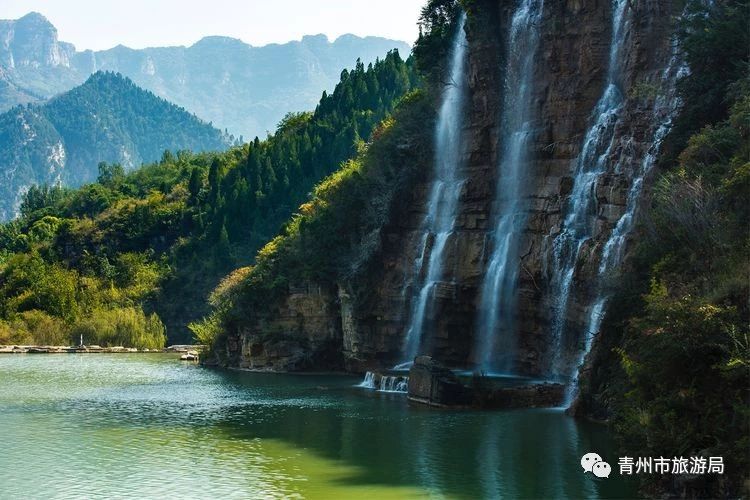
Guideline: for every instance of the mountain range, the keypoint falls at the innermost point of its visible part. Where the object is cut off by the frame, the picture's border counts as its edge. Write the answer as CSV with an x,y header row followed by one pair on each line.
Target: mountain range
x,y
108,119
225,81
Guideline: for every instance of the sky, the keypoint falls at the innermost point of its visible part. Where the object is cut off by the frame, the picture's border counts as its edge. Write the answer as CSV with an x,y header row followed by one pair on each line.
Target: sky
x,y
102,24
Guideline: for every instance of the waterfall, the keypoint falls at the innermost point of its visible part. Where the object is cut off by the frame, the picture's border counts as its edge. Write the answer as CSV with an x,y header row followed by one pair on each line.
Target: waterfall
x,y
496,335
369,381
666,106
442,204
578,225
385,383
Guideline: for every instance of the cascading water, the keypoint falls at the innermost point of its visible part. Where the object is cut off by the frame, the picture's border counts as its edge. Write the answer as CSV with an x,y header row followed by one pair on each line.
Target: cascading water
x,y
666,106
494,347
578,225
442,203
369,381
385,383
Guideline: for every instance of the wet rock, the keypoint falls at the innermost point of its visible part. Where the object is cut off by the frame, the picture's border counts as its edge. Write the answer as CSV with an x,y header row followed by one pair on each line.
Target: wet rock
x,y
432,383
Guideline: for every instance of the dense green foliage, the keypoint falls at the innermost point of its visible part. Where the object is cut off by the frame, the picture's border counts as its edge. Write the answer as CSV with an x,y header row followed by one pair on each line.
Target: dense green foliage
x,y
108,118
160,238
437,25
333,236
677,376
48,303
715,39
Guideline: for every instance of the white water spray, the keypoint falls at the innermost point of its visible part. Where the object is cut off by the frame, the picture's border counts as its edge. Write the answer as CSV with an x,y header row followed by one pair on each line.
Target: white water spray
x,y
385,383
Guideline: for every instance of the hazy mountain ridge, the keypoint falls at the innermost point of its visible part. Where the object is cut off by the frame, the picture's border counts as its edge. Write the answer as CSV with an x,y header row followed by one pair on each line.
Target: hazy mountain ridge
x,y
108,118
234,85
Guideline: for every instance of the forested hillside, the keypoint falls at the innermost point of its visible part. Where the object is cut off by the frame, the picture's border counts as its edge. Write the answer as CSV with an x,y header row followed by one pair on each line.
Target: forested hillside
x,y
158,239
109,119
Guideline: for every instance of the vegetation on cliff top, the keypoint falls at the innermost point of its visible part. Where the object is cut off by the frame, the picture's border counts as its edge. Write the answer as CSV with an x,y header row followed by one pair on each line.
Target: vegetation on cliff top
x,y
158,239
334,236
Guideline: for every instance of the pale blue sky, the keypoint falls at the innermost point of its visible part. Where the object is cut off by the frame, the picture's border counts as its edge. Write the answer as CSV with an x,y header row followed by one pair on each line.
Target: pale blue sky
x,y
101,24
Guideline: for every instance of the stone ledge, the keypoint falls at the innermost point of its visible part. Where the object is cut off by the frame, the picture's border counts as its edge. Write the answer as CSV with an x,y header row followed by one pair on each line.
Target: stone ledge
x,y
433,384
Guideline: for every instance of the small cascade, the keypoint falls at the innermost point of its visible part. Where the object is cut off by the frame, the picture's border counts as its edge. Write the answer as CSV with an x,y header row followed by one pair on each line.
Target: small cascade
x,y
385,383
578,225
495,344
666,106
369,381
442,203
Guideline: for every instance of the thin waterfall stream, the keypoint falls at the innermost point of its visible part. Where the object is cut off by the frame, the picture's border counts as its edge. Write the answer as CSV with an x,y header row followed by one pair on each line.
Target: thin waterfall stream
x,y
495,339
442,203
666,106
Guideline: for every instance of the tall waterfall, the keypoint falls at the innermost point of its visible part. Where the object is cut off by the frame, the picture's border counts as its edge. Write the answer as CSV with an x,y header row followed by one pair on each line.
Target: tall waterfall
x,y
578,225
495,343
442,203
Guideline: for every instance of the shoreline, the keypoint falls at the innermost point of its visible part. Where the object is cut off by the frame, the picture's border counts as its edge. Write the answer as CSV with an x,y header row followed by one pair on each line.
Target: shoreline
x,y
92,349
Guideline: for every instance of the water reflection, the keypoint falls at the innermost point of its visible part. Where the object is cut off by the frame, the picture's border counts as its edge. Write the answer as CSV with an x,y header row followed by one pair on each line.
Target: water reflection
x,y
145,426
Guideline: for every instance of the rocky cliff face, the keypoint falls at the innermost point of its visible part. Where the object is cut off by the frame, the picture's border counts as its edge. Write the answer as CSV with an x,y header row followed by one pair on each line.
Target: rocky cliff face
x,y
34,64
32,41
570,75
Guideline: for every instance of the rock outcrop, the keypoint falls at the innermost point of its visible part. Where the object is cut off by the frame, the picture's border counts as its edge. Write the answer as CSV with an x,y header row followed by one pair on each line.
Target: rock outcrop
x,y
433,384
302,333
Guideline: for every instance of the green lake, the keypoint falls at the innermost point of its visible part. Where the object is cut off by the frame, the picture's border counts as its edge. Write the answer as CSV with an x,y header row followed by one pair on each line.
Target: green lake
x,y
149,426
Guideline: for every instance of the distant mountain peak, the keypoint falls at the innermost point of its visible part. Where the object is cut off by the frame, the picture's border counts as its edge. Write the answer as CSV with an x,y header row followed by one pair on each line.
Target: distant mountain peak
x,y
220,42
106,75
107,118
115,82
220,39
221,79
34,17
319,38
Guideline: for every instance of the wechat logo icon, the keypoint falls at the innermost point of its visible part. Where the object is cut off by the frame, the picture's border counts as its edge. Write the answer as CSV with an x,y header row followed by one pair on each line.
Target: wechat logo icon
x,y
592,462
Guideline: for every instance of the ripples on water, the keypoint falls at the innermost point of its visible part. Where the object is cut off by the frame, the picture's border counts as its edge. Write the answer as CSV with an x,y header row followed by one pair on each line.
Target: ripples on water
x,y
147,426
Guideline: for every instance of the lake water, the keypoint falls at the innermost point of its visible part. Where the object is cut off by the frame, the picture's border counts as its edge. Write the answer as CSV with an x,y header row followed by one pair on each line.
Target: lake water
x,y
149,426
